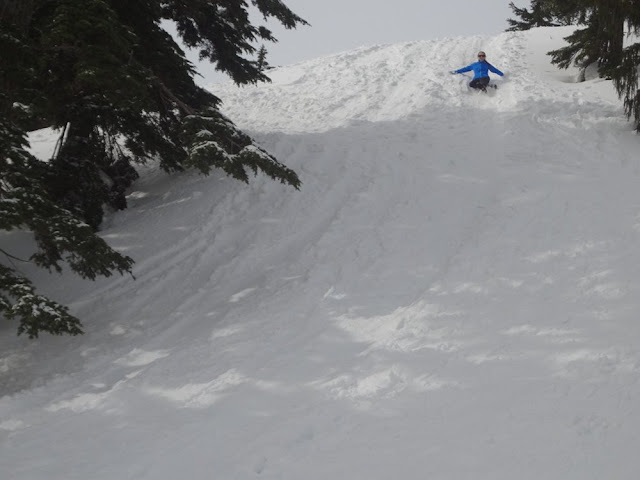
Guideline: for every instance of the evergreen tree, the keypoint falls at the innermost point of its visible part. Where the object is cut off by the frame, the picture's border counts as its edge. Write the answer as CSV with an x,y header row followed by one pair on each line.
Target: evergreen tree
x,y
24,203
121,91
602,42
543,13
262,63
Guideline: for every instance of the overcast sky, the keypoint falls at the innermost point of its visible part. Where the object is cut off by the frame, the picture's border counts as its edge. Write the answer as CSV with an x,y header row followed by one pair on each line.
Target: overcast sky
x,y
339,25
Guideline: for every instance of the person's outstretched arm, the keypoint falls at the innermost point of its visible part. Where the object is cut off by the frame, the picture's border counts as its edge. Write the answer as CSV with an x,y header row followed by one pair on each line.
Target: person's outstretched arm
x,y
494,70
468,68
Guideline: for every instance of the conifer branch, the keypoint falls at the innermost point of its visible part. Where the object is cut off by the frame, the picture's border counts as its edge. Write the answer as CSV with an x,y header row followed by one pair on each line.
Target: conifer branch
x,y
121,91
186,108
12,257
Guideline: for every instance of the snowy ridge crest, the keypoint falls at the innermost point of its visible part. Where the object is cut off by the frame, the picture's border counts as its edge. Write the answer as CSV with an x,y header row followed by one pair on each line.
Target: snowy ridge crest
x,y
391,82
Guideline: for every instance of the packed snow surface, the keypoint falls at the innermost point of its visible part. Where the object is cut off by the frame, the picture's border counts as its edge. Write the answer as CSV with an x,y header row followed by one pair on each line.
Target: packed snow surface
x,y
453,294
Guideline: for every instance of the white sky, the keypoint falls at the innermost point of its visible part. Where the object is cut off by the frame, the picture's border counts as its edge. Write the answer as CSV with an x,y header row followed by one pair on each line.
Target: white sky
x,y
339,25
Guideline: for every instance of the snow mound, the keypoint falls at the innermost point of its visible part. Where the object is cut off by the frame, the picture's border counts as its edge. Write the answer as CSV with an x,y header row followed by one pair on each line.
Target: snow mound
x,y
392,82
452,294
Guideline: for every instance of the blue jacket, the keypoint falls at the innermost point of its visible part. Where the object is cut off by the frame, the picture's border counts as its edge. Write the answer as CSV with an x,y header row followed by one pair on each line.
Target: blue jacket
x,y
480,69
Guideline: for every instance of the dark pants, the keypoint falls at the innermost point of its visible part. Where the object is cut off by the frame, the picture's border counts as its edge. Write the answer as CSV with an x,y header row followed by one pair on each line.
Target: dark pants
x,y
480,83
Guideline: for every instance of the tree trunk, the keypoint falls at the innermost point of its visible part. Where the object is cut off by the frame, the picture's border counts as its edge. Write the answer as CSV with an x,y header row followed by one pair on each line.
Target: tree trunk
x,y
17,13
15,17
611,19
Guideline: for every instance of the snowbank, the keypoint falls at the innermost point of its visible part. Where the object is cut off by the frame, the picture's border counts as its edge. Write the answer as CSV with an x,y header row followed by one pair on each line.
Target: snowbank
x,y
453,294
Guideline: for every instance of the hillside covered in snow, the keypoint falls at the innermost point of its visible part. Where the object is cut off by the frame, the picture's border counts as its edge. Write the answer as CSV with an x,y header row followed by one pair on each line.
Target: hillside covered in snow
x,y
453,294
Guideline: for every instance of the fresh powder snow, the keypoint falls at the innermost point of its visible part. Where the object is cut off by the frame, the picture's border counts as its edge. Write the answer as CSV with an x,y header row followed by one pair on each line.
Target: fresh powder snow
x,y
453,294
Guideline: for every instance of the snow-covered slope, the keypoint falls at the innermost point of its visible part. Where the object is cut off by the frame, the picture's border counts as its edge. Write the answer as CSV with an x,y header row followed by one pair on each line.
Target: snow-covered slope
x,y
453,294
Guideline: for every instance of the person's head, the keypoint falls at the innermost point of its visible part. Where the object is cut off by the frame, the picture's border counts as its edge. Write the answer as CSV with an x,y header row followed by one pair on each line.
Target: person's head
x,y
482,56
